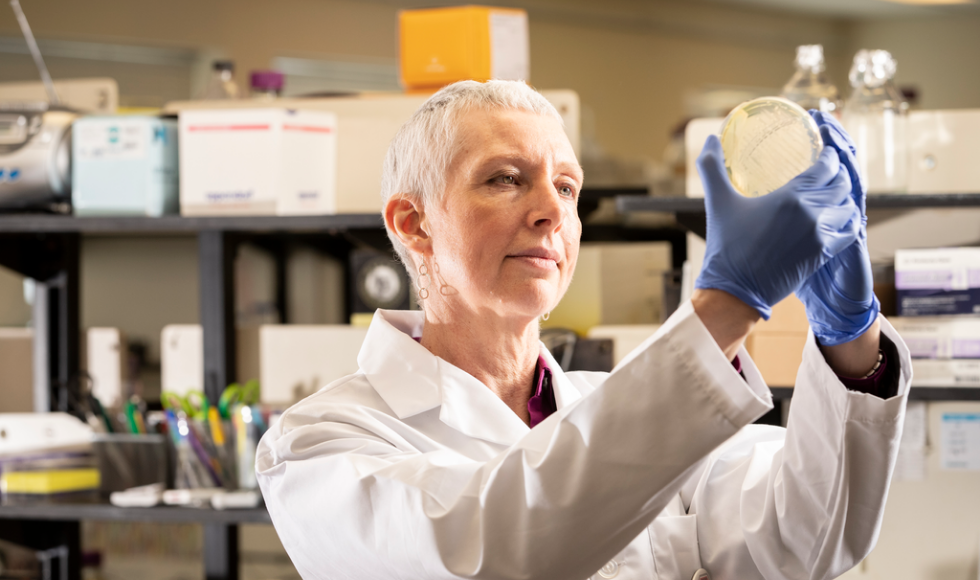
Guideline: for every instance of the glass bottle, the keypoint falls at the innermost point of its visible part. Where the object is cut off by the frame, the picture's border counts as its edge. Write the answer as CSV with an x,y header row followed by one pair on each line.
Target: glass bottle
x,y
267,84
222,84
875,115
809,87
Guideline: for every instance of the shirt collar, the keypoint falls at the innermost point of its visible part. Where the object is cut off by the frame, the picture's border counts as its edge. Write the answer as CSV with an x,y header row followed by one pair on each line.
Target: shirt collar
x,y
412,380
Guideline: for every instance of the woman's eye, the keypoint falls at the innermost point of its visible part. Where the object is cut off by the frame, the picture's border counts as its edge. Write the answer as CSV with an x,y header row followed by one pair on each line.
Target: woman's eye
x,y
506,180
566,191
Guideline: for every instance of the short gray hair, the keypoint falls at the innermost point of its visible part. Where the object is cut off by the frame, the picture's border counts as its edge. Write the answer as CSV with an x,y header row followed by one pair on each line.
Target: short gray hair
x,y
421,152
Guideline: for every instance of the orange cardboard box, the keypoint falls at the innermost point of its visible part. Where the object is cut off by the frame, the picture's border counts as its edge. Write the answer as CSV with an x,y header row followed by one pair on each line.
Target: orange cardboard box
x,y
440,46
777,355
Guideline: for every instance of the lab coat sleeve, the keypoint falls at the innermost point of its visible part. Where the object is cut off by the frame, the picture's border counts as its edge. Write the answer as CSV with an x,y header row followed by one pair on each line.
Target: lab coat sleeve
x,y
806,502
351,497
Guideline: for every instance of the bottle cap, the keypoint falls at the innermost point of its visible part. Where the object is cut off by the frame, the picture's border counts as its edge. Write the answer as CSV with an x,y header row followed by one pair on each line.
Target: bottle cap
x,y
872,68
810,57
222,65
267,80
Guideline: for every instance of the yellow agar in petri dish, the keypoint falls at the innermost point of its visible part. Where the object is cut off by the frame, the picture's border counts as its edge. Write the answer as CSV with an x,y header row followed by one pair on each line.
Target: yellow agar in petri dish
x,y
767,142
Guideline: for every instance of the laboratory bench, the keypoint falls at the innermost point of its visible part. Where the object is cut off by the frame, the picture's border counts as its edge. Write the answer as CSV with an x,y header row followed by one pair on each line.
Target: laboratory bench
x,y
42,526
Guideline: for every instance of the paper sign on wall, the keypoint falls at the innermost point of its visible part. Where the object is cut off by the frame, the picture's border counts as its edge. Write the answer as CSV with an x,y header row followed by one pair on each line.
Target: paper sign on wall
x,y
961,441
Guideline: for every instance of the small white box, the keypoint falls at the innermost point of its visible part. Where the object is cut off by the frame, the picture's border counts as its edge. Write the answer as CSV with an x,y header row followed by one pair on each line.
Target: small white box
x,y
294,361
124,165
106,364
940,337
181,358
695,134
943,149
271,161
938,281
946,373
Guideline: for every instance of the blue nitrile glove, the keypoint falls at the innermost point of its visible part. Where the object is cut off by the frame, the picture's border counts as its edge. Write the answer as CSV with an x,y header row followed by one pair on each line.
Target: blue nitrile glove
x,y
839,297
761,249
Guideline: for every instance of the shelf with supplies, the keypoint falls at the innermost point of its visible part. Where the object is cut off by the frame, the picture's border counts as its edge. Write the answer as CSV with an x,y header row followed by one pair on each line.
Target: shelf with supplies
x,y
690,210
690,213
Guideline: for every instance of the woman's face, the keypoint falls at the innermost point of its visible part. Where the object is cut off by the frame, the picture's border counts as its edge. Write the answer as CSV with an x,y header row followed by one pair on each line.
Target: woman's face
x,y
505,235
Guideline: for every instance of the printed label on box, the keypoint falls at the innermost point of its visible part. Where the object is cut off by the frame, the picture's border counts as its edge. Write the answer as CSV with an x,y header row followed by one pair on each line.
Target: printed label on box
x,y
111,141
961,441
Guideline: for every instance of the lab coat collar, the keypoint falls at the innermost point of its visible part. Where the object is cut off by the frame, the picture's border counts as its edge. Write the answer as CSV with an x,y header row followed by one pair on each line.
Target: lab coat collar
x,y
412,380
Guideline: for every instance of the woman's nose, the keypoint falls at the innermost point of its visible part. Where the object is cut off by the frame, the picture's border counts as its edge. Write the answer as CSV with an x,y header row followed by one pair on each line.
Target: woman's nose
x,y
546,207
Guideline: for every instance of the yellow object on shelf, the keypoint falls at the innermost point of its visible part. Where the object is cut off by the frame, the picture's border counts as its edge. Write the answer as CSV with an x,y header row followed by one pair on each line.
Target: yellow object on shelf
x,y
444,45
49,481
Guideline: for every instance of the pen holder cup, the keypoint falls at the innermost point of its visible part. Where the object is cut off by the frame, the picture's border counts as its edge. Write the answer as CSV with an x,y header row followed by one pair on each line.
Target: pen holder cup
x,y
126,461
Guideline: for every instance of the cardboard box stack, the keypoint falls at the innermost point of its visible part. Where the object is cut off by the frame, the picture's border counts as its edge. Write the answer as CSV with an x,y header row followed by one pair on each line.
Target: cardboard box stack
x,y
776,345
938,298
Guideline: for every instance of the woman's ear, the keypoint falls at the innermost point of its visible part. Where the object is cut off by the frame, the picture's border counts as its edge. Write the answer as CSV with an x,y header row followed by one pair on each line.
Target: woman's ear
x,y
406,218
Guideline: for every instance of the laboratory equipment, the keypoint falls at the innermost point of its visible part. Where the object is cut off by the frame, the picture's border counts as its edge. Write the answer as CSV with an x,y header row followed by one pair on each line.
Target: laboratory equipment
x,y
35,143
258,161
767,142
124,166
267,84
809,86
875,115
222,84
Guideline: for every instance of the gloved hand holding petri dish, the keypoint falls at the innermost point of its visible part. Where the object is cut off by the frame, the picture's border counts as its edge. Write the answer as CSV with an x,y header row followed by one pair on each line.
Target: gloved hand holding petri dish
x,y
767,142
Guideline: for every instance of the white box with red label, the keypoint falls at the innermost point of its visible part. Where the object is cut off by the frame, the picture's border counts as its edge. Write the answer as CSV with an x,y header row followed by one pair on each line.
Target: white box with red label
x,y
257,162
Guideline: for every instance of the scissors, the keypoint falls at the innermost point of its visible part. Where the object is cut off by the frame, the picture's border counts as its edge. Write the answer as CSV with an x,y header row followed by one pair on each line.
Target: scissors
x,y
235,394
194,404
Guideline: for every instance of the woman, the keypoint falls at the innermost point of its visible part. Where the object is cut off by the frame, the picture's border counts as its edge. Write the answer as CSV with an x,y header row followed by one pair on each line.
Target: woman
x,y
461,450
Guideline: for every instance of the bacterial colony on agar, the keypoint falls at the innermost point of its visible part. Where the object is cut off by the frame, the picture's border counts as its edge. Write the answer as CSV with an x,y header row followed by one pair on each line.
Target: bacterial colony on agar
x,y
767,142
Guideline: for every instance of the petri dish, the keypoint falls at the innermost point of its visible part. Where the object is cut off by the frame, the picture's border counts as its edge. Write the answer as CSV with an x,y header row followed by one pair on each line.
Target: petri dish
x,y
767,142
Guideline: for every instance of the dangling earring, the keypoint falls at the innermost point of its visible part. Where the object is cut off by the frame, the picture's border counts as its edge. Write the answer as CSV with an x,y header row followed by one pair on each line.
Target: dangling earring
x,y
546,316
423,282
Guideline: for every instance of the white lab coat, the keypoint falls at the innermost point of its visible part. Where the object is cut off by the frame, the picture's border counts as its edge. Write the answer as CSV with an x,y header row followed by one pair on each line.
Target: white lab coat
x,y
413,469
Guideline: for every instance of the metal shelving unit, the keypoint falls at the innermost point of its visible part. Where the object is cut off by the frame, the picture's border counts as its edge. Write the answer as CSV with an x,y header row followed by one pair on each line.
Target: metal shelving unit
x,y
690,213
46,248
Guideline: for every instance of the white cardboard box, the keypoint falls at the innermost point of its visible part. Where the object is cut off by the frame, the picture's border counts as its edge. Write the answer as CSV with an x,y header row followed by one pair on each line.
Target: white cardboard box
x,y
943,149
946,373
293,361
366,124
106,348
181,358
940,337
272,161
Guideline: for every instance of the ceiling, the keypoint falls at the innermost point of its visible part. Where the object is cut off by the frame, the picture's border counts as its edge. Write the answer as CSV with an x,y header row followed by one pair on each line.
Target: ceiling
x,y
859,8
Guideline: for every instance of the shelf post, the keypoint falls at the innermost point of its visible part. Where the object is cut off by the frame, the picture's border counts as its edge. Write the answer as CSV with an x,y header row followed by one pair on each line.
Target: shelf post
x,y
220,552
216,263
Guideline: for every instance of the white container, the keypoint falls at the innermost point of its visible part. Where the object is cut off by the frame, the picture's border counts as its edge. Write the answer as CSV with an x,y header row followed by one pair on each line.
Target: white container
x,y
695,134
293,361
366,125
181,358
943,148
938,282
940,337
269,161
124,166
946,373
106,358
